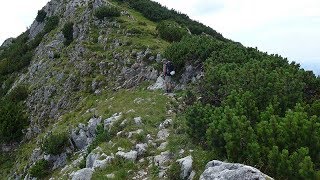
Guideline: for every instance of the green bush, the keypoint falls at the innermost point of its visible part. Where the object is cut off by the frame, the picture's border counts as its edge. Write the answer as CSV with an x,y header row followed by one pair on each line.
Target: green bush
x,y
67,32
12,121
51,24
192,49
107,11
17,56
19,93
171,31
41,16
55,144
40,169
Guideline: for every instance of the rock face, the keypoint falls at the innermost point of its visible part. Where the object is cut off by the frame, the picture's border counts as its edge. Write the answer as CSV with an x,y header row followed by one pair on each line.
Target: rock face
x,y
229,171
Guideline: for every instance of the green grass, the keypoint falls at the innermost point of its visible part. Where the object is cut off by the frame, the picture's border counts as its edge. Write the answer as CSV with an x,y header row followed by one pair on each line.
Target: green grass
x,y
6,164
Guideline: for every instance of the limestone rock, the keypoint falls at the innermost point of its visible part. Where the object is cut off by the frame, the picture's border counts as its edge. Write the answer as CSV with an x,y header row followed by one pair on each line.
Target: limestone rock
x,y
160,84
108,122
137,121
165,124
163,159
141,149
163,134
82,174
163,146
91,158
229,171
92,126
131,156
186,167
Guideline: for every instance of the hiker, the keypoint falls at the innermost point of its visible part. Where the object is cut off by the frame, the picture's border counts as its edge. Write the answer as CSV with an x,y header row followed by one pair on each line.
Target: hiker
x,y
168,71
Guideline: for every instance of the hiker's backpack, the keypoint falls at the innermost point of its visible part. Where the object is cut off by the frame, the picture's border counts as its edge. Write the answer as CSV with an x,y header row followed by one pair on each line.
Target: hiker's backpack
x,y
170,69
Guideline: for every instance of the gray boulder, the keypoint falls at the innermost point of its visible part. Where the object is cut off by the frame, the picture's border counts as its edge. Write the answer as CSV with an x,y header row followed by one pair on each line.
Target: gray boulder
x,y
92,126
165,124
229,171
131,156
141,149
91,158
163,159
102,163
60,161
163,134
186,167
158,85
137,121
82,174
80,139
109,122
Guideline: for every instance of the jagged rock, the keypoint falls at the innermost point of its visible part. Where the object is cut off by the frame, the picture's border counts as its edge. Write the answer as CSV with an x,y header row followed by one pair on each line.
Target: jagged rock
x,y
108,122
131,156
102,163
165,124
163,146
82,174
60,161
80,139
160,84
137,121
91,158
35,29
141,149
186,167
229,171
92,126
36,155
57,160
163,134
130,134
163,159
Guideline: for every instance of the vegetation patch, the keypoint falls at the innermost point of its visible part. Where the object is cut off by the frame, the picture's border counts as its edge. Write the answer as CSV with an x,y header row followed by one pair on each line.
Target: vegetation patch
x,y
171,31
40,169
67,32
55,144
41,16
107,11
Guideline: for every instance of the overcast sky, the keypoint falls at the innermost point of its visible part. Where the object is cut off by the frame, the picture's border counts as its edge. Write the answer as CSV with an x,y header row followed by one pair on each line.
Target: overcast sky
x,y
290,28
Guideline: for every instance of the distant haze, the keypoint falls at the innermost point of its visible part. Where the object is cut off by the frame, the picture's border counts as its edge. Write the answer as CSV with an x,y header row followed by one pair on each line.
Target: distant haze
x,y
289,28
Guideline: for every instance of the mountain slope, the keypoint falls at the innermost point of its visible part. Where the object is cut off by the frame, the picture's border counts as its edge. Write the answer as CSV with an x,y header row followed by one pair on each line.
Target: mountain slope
x,y
82,74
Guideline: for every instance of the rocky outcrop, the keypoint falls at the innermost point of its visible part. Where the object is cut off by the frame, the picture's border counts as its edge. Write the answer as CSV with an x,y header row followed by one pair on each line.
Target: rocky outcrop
x,y
131,156
97,159
229,171
83,135
82,174
186,167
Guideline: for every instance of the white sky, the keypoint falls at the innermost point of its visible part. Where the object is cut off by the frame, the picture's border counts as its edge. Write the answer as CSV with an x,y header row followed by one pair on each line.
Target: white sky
x,y
290,28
